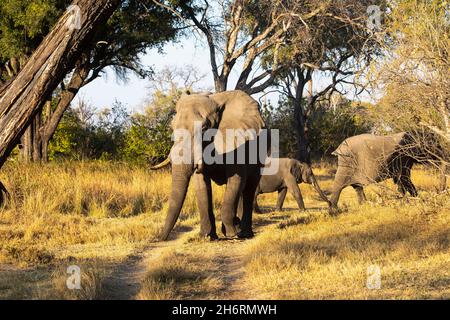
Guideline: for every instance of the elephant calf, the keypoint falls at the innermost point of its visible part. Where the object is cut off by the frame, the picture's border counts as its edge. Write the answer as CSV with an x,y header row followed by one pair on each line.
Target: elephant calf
x,y
290,173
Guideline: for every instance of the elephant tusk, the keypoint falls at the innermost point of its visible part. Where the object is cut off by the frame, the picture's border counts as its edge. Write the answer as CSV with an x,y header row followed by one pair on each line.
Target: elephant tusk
x,y
161,165
200,167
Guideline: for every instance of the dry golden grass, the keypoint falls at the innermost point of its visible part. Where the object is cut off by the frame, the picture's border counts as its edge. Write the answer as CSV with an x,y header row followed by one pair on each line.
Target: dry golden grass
x,y
314,256
97,214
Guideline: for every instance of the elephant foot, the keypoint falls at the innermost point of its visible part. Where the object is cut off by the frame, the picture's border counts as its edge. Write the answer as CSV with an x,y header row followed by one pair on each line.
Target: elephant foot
x,y
230,232
333,211
245,234
210,237
213,237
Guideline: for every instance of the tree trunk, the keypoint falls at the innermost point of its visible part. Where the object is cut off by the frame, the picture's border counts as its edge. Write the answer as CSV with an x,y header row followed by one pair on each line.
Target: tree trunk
x,y
220,85
303,153
37,124
27,143
76,82
302,138
21,99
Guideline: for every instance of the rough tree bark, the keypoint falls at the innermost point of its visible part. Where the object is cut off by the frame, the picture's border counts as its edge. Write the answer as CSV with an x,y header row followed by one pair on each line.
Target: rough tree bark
x,y
54,118
294,87
21,99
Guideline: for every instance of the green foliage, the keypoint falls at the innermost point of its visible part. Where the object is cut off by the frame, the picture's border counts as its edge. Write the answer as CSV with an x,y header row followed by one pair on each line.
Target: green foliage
x,y
64,141
112,134
24,23
327,127
149,137
100,137
133,29
282,118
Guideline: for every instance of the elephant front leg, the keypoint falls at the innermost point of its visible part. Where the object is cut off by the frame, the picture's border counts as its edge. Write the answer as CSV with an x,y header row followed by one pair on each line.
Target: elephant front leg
x,y
360,192
229,207
340,182
295,191
281,196
255,204
205,206
248,196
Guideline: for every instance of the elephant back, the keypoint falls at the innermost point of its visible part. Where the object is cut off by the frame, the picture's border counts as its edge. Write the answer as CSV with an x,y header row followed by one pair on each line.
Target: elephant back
x,y
367,156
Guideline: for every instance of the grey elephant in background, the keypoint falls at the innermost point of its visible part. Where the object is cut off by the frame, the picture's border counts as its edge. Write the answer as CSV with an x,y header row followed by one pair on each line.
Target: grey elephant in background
x,y
290,173
368,158
221,111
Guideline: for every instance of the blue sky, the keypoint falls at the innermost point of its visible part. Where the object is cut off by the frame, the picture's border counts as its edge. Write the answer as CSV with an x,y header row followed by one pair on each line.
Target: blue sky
x,y
105,90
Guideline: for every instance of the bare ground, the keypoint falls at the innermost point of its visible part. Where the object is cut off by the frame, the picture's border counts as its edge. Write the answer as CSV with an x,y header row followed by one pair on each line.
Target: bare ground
x,y
226,264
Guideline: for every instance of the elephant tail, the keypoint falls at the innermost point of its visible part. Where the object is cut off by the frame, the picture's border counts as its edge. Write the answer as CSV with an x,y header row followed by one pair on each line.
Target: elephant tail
x,y
342,150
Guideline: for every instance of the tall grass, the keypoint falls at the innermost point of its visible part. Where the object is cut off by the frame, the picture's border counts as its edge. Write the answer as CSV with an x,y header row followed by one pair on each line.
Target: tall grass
x,y
98,213
314,256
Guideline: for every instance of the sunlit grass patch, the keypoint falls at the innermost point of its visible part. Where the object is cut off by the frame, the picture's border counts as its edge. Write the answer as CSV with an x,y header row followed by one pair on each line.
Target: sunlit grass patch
x,y
97,214
322,257
177,275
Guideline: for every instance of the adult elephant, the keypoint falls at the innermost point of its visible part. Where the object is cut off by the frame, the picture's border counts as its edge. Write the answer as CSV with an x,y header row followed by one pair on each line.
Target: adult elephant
x,y
368,158
290,173
225,111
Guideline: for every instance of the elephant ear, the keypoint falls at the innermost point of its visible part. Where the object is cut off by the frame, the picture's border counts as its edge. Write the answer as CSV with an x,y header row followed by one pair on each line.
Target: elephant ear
x,y
296,170
239,114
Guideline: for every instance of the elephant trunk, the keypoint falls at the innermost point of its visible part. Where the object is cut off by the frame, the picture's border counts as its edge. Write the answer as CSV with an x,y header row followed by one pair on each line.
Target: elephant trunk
x,y
181,175
319,191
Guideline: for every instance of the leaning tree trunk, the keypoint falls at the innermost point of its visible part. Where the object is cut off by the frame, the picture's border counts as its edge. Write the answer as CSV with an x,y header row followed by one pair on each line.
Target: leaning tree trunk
x,y
76,82
22,98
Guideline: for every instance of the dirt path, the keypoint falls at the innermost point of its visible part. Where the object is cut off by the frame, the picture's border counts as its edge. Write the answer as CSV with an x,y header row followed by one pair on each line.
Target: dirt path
x,y
125,281
230,260
226,261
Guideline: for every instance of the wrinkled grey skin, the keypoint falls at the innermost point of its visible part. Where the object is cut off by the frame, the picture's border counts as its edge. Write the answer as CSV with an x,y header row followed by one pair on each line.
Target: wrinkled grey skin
x,y
291,172
225,110
367,158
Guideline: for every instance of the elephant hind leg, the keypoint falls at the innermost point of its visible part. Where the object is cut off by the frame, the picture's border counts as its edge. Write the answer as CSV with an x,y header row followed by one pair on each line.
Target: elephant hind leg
x,y
400,186
337,189
4,194
360,192
409,186
281,196
256,207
